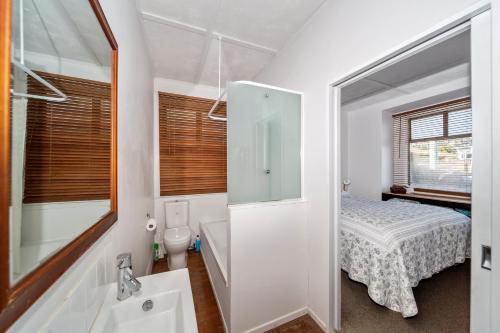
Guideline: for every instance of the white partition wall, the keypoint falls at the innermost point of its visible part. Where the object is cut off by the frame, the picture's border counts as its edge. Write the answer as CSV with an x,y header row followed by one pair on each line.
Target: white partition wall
x,y
268,264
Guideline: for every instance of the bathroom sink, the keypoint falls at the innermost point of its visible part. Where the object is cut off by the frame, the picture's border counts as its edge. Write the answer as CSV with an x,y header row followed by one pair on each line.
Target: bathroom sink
x,y
164,304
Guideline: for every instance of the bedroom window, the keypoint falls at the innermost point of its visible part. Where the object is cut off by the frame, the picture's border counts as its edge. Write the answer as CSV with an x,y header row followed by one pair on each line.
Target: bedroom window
x,y
433,148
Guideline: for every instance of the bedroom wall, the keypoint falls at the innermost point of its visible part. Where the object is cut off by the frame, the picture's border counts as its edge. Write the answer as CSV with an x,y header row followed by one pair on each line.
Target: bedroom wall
x,y
344,146
75,290
339,37
364,160
386,153
367,160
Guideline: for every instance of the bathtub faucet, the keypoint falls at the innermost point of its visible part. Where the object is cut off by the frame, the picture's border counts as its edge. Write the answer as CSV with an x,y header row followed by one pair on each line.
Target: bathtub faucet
x,y
126,282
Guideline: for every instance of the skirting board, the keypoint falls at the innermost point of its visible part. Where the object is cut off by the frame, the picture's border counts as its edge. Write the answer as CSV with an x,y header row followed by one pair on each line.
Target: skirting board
x,y
278,321
215,294
318,321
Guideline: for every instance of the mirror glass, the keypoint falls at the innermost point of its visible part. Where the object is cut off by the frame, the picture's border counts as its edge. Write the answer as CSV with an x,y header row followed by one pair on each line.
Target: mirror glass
x,y
60,112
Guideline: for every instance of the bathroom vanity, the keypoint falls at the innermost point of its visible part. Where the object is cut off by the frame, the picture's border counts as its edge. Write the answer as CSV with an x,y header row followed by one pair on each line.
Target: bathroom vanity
x,y
164,304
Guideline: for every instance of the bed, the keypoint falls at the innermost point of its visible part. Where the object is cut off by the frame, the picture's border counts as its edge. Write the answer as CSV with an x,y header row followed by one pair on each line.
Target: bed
x,y
391,245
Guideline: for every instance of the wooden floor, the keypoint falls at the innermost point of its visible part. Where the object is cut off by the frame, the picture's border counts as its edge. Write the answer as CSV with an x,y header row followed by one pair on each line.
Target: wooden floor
x,y
300,325
207,312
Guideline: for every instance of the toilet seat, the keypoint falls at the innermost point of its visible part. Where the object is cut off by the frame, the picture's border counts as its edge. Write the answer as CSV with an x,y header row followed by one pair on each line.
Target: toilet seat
x,y
177,235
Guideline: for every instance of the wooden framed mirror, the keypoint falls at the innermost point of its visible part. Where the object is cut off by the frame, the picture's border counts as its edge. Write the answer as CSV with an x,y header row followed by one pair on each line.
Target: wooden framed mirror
x,y
58,151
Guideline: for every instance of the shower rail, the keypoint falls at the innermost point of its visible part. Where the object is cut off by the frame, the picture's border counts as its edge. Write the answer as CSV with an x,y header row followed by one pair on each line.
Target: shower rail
x,y
210,116
62,96
20,64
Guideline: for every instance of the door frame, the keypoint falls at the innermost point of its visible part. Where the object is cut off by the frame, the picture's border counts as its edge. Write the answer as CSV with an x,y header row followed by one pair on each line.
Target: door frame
x,y
443,30
495,211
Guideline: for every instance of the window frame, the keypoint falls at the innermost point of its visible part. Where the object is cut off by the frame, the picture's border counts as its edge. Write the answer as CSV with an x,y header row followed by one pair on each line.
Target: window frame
x,y
445,136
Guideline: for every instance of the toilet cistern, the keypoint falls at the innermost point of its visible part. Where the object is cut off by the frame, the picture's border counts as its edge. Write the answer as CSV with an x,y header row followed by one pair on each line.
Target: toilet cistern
x,y
177,235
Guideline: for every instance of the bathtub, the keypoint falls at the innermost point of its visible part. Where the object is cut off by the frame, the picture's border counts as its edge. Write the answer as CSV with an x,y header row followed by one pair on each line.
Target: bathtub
x,y
216,237
214,251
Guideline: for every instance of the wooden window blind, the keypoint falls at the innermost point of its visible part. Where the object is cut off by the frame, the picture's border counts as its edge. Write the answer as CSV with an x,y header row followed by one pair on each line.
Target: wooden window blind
x,y
68,144
192,147
432,147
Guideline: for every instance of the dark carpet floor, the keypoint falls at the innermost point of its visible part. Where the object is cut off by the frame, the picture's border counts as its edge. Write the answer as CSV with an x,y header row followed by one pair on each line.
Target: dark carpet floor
x,y
443,306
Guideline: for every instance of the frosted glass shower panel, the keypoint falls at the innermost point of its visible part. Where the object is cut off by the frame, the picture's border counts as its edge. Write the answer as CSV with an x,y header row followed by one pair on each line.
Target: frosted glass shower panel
x,y
264,134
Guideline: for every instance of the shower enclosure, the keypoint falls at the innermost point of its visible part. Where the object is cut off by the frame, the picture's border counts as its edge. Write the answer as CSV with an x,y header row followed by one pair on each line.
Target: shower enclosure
x,y
259,284
264,145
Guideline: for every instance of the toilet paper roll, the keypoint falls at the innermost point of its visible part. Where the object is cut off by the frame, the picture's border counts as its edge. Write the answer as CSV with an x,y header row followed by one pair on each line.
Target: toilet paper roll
x,y
151,225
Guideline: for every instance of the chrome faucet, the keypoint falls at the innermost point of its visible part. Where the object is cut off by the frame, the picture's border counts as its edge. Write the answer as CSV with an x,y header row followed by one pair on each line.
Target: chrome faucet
x,y
126,282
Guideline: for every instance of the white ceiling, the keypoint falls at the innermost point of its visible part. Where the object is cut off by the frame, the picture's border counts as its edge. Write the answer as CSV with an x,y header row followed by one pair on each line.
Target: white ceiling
x,y
62,28
448,54
436,88
183,42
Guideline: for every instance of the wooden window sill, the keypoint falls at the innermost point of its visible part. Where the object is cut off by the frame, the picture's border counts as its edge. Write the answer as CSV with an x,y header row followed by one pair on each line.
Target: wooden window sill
x,y
447,200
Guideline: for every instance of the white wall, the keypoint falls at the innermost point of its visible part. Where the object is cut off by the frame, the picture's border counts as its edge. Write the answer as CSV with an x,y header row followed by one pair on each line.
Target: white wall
x,y
367,159
202,207
51,64
340,36
72,303
185,88
135,180
267,264
344,146
49,221
364,167
387,147
135,135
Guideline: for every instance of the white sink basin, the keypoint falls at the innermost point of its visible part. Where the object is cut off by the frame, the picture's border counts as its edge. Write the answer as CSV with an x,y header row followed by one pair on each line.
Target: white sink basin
x,y
172,311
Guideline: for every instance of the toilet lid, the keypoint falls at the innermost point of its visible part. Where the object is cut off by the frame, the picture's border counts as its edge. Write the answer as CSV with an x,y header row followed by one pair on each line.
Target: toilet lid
x,y
176,235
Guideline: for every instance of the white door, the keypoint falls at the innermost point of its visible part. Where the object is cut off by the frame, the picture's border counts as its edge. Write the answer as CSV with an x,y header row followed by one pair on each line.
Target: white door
x,y
481,95
495,234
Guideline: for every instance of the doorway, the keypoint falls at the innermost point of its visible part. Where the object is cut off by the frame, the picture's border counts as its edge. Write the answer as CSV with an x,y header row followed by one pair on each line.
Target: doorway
x,y
406,80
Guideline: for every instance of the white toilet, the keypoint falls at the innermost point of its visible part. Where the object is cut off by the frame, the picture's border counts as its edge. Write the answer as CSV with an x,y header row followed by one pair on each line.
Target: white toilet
x,y
177,235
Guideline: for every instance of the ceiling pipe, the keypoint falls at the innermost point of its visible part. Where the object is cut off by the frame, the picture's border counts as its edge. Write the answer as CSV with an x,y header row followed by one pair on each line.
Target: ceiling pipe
x,y
221,95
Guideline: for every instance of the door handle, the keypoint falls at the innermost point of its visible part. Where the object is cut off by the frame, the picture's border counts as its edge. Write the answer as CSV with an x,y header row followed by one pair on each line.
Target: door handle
x,y
486,257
